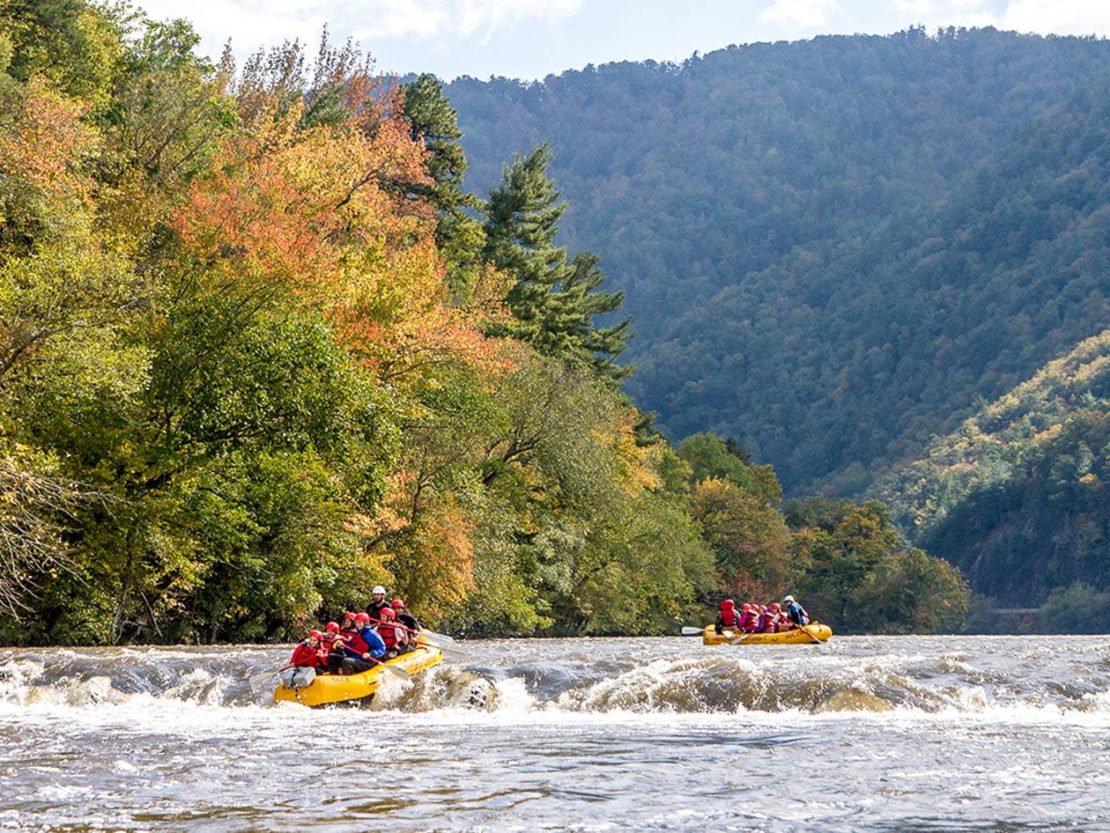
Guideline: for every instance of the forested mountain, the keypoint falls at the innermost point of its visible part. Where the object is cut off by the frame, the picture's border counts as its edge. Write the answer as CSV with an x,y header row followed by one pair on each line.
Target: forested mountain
x,y
1019,496
831,250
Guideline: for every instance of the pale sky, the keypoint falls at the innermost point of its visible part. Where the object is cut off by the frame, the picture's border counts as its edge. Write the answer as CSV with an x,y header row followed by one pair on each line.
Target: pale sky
x,y
533,38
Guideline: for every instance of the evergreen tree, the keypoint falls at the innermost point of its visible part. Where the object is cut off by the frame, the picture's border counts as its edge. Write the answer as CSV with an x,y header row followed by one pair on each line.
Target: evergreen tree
x,y
435,123
586,302
553,300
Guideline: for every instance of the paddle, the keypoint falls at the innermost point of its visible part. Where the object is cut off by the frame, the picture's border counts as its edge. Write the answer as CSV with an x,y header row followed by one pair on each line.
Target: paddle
x,y
392,669
810,634
442,637
440,640
689,631
257,680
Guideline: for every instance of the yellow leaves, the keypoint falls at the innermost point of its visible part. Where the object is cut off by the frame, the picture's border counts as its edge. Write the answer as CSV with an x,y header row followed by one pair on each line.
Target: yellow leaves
x,y
432,553
635,462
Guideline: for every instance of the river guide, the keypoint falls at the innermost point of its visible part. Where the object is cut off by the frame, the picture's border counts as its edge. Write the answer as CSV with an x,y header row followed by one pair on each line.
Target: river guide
x,y
812,634
325,689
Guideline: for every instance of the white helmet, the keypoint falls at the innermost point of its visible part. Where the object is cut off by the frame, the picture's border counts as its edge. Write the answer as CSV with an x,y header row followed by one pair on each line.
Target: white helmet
x,y
377,590
788,599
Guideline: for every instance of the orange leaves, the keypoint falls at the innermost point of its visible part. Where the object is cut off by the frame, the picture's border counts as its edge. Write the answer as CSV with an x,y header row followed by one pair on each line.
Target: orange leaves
x,y
328,213
316,210
448,556
42,142
326,216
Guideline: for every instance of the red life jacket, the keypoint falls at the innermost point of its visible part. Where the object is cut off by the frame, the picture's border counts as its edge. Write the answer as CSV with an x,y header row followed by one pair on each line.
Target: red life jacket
x,y
355,642
768,624
388,633
728,615
304,655
391,635
749,621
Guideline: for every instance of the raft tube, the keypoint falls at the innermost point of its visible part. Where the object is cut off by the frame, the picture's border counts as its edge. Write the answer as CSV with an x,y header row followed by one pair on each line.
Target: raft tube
x,y
343,688
812,634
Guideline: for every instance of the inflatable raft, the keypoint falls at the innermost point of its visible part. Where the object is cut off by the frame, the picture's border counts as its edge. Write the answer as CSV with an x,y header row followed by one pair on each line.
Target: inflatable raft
x,y
343,688
812,633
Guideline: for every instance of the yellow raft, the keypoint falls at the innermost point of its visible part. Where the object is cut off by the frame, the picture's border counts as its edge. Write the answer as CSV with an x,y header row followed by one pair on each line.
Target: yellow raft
x,y
812,633
340,688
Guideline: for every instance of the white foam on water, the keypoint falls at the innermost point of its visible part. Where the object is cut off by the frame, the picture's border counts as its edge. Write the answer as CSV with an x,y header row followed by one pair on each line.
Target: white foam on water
x,y
1098,702
513,695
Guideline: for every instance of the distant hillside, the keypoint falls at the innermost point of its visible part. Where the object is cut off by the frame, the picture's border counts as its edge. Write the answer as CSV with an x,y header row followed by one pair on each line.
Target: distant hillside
x,y
832,250
990,446
1019,496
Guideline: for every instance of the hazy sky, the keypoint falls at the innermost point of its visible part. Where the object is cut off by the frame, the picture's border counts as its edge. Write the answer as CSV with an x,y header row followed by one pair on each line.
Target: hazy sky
x,y
532,38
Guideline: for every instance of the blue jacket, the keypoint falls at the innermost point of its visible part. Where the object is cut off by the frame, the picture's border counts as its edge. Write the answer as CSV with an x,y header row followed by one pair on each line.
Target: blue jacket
x,y
797,614
372,640
377,647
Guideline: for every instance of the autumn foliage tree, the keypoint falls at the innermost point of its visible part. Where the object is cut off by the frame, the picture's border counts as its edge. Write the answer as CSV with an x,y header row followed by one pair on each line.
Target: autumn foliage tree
x,y
256,356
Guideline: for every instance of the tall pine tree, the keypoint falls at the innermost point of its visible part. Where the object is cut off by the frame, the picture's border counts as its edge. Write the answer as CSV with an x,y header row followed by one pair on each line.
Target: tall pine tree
x,y
458,235
553,300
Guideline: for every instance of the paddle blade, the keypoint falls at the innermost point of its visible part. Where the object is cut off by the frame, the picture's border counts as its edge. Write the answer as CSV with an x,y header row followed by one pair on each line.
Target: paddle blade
x,y
447,649
442,637
257,681
689,631
396,671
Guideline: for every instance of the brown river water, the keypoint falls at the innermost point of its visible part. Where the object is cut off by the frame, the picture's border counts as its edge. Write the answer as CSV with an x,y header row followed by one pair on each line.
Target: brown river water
x,y
862,734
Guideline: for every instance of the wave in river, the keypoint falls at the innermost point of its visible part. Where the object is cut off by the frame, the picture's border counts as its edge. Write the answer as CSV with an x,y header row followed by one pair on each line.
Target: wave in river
x,y
701,683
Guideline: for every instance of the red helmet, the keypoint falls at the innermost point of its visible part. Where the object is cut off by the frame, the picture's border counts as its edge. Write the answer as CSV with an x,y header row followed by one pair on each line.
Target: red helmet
x,y
333,627
350,615
745,606
387,613
397,604
728,603
315,635
776,606
362,617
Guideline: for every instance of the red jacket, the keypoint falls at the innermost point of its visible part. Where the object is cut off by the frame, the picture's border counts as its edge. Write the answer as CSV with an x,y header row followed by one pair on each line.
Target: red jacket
x,y
304,655
356,645
330,645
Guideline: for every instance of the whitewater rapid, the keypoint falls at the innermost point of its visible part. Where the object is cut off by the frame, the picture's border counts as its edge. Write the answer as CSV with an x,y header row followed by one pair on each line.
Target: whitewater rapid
x,y
876,733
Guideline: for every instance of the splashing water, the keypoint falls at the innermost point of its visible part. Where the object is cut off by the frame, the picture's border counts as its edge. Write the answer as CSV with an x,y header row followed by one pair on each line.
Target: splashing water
x,y
883,734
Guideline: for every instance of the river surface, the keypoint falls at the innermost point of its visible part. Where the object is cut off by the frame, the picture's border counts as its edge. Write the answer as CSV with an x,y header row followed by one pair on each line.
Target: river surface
x,y
862,734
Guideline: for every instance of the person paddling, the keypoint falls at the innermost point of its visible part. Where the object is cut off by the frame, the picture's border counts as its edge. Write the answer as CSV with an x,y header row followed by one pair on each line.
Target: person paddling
x,y
727,618
307,659
333,645
393,636
308,654
797,614
364,647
